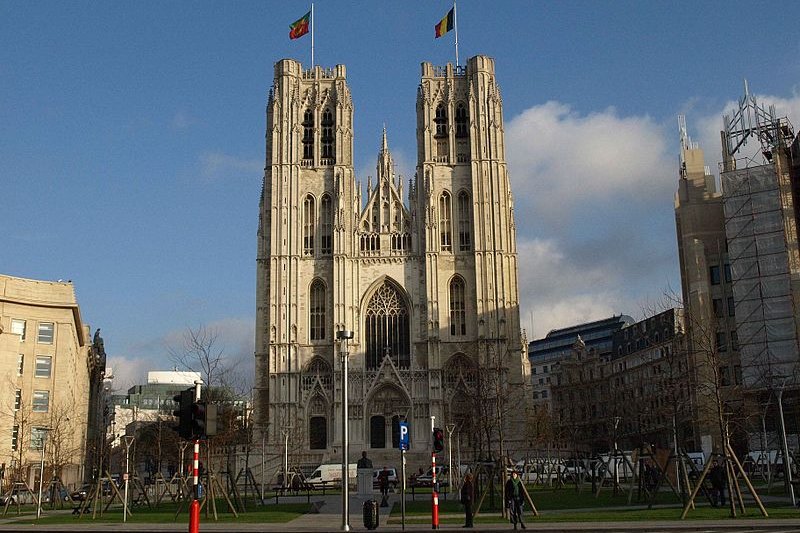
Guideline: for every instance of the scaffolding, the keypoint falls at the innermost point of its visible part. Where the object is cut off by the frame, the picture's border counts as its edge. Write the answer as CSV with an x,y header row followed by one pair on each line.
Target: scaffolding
x,y
761,230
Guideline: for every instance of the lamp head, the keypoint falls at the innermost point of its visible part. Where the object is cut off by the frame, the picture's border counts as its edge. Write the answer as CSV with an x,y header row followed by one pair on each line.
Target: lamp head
x,y
343,334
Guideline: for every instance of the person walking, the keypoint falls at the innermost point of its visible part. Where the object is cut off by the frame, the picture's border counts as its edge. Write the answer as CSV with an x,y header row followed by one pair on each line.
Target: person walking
x,y
717,476
515,494
467,497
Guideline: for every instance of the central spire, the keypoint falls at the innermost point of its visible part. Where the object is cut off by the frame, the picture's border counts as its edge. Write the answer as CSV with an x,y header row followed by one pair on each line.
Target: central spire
x,y
385,145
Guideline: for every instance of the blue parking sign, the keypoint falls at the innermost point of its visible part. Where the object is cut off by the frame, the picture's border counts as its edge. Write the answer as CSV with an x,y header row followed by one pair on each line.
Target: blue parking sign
x,y
403,435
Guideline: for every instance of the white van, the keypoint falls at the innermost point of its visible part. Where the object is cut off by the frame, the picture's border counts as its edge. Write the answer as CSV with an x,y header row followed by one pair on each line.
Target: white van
x,y
330,475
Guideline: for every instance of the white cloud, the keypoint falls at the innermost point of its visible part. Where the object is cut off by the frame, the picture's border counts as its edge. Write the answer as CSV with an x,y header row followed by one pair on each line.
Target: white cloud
x,y
216,165
594,212
560,160
183,120
559,292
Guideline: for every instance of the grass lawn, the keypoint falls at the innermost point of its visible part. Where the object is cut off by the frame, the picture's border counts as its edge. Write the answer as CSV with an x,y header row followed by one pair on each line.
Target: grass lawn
x,y
274,513
561,505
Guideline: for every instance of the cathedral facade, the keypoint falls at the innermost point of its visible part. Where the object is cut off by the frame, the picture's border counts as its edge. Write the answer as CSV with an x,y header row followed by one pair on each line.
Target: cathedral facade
x,y
426,279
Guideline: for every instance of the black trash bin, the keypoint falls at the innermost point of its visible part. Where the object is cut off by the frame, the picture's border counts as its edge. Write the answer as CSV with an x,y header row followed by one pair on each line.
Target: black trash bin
x,y
371,514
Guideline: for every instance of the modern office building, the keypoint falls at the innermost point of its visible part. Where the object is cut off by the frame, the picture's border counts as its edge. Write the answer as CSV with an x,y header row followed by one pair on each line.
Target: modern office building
x,y
547,353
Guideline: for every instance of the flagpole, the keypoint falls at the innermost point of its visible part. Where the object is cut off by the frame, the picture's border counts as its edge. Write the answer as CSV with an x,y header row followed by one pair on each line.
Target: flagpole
x,y
312,35
455,23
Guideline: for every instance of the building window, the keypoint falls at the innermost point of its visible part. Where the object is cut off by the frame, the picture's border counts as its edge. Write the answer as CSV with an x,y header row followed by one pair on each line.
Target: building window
x,y
464,222
15,437
458,318
440,120
44,364
714,274
308,135
326,226
544,394
20,364
727,269
17,399
717,305
45,333
387,328
445,216
734,340
724,376
18,327
38,436
722,343
328,139
41,401
462,120
309,221
317,307
731,307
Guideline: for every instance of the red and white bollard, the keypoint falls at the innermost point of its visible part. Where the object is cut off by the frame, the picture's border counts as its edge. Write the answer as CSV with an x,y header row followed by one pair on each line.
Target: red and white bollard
x,y
435,495
194,508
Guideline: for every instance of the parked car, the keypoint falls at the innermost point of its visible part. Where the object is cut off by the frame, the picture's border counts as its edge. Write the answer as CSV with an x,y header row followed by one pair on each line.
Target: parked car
x,y
21,496
392,475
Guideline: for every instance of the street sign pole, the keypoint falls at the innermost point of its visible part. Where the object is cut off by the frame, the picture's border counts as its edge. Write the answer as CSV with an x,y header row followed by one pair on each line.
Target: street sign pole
x,y
403,448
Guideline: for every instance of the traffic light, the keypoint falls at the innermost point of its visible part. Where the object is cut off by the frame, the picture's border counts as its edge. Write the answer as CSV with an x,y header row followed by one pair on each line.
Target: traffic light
x,y
204,420
438,440
184,413
198,420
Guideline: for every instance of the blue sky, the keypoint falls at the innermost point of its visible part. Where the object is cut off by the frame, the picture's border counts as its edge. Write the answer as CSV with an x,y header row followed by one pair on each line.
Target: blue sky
x,y
132,141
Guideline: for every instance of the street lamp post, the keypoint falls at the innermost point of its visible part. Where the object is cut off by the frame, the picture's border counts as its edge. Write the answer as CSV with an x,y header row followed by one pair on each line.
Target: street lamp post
x,y
128,442
344,336
286,430
43,443
450,428
616,458
787,466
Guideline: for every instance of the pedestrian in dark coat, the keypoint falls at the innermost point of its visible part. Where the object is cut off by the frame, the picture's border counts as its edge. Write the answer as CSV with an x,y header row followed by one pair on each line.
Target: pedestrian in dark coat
x,y
717,477
515,497
467,498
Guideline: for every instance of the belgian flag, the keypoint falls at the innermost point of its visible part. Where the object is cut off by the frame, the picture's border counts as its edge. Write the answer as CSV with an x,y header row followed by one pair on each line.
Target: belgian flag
x,y
446,24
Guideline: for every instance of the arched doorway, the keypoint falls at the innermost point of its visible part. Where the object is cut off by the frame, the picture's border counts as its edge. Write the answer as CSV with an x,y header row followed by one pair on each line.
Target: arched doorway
x,y
387,407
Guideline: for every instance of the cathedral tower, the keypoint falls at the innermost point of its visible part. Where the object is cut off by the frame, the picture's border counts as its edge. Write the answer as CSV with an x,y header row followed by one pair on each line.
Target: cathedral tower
x,y
428,287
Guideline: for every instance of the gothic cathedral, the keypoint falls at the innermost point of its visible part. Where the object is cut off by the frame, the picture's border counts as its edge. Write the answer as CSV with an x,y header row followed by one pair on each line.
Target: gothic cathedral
x,y
428,287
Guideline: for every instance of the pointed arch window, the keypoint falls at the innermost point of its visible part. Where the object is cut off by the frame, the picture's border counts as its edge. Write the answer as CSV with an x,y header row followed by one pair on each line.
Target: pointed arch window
x,y
462,120
458,316
308,135
464,222
326,226
309,223
317,311
440,121
445,217
328,139
387,328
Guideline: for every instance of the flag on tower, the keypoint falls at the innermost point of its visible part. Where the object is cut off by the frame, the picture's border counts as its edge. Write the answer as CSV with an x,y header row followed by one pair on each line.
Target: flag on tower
x,y
446,24
299,27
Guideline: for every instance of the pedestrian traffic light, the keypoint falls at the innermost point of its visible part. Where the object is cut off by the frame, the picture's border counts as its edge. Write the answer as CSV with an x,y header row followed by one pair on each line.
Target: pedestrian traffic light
x,y
184,413
438,440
